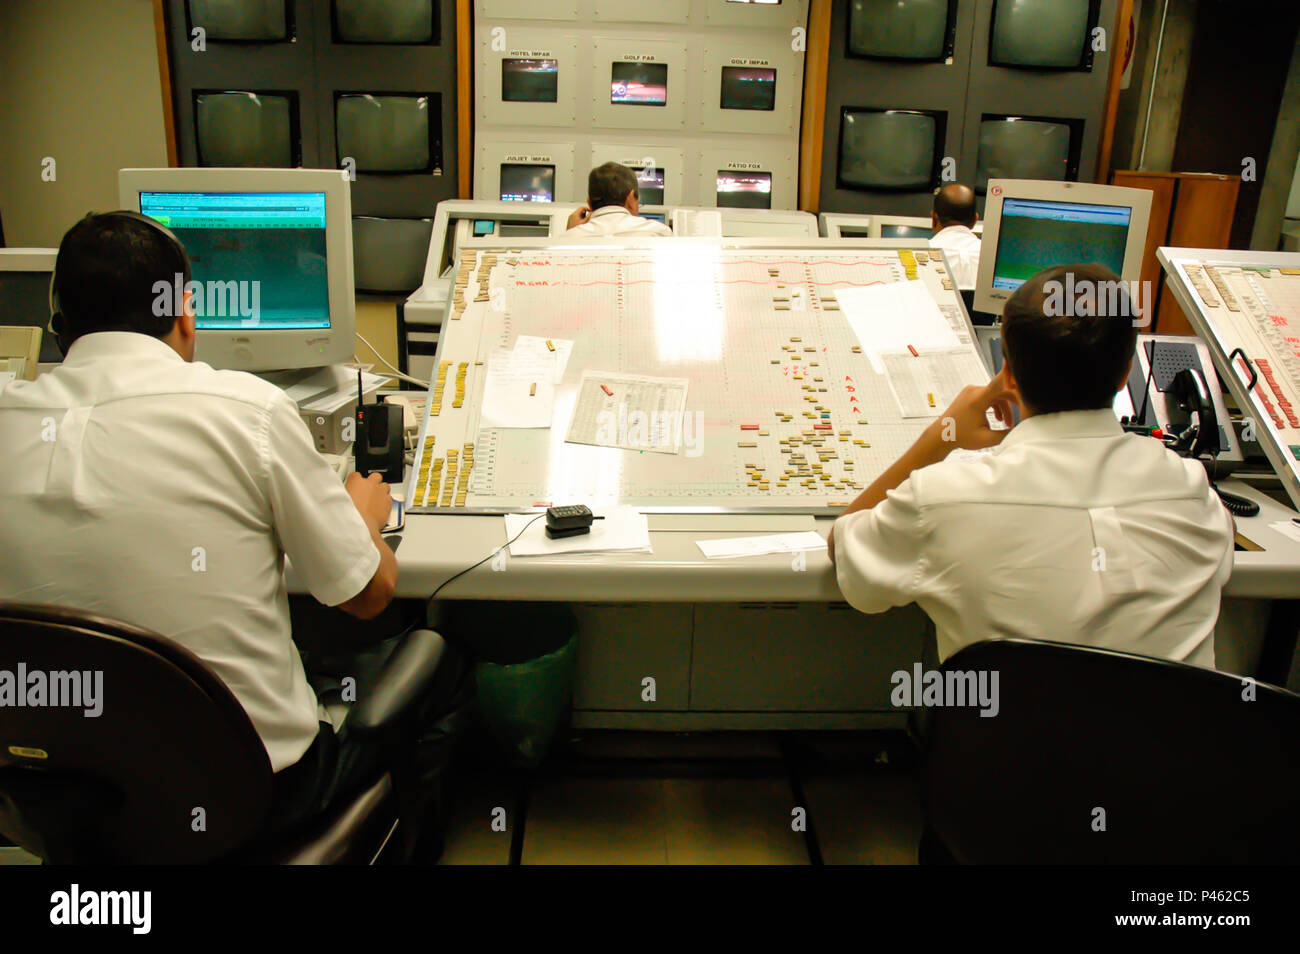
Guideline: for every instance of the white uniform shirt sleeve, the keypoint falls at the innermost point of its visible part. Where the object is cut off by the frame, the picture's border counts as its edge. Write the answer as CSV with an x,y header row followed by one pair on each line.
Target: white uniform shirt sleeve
x,y
317,523
879,558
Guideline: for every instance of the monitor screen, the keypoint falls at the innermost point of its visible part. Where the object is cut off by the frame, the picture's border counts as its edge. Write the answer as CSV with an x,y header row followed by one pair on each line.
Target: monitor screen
x,y
25,302
1036,234
639,84
530,81
650,186
905,232
1014,147
744,190
388,253
890,150
1041,34
247,129
385,21
748,87
240,21
259,258
522,182
657,216
389,133
901,29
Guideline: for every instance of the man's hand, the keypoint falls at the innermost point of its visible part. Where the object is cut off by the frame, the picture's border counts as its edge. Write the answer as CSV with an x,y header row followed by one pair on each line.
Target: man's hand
x,y
372,497
965,424
579,216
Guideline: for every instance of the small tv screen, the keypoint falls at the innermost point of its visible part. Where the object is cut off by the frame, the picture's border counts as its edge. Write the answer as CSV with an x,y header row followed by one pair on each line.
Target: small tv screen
x,y
388,253
530,81
639,84
526,182
1014,147
386,21
920,30
25,302
650,186
889,149
657,216
905,232
1035,234
748,87
241,21
1041,34
744,190
389,133
247,129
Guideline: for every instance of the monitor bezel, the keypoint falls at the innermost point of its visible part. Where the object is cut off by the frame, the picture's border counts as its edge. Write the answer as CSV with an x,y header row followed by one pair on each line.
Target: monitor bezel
x,y
540,165
614,64
531,102
940,117
991,300
1085,62
272,349
722,73
435,35
1073,158
290,29
295,122
949,43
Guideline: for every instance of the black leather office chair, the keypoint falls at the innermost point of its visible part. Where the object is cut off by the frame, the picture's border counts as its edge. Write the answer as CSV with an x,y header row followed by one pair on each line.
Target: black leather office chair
x,y
1185,770
128,785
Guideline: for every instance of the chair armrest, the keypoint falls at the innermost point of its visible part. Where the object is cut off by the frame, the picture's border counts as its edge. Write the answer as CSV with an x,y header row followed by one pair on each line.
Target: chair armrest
x,y
407,675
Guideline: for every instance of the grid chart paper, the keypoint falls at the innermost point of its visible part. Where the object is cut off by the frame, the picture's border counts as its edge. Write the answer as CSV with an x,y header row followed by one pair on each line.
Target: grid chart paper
x,y
1255,307
783,411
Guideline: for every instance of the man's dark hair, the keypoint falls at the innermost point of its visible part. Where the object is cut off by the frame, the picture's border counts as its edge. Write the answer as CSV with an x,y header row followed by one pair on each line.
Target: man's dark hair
x,y
105,276
954,204
609,185
1068,335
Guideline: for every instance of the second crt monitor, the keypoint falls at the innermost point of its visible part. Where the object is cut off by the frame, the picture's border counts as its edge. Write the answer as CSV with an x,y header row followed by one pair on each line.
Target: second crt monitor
x,y
1030,225
271,252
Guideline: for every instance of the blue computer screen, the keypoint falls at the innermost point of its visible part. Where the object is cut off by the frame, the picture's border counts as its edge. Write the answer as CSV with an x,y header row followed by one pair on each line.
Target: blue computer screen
x,y
1037,234
259,258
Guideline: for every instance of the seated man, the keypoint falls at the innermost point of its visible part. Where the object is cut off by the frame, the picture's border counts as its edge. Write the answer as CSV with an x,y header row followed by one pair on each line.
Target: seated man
x,y
142,485
612,206
952,220
1070,529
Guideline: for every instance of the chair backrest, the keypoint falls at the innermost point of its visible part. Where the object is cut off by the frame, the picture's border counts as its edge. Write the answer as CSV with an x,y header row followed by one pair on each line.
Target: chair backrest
x,y
1104,757
170,770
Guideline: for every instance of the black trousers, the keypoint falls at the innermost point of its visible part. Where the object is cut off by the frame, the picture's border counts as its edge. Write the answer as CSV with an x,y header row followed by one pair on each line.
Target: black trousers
x,y
340,764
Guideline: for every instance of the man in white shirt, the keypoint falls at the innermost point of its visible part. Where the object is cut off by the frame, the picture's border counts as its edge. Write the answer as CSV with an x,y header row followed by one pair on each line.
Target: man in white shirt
x,y
1069,530
953,220
138,484
613,201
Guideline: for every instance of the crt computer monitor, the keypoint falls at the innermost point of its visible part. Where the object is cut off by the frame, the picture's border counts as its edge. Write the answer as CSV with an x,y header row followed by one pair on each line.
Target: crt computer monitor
x,y
1043,34
890,150
271,251
247,129
391,21
650,186
638,84
25,293
267,21
1033,225
1027,147
915,30
527,182
748,87
389,133
744,190
530,80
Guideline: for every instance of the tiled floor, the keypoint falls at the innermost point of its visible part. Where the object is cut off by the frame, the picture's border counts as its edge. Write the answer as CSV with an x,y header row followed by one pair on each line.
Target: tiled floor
x,y
618,798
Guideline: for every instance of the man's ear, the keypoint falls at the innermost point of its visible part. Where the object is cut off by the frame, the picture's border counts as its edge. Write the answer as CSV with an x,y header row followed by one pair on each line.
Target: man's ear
x,y
632,202
934,222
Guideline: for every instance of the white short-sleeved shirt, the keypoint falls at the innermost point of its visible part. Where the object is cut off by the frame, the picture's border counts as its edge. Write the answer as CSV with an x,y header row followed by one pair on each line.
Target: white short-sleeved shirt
x,y
1070,530
616,220
139,486
961,246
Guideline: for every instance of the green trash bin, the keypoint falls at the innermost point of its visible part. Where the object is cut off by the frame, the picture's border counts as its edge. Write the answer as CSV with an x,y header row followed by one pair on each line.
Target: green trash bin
x,y
526,656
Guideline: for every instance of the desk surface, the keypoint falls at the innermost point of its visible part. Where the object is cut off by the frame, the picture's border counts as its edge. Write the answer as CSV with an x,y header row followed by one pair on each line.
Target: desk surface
x,y
435,547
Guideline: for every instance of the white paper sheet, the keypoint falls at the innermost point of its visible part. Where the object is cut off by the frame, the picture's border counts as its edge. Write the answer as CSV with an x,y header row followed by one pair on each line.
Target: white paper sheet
x,y
624,529
632,411
519,390
1287,529
757,546
931,376
563,349
892,316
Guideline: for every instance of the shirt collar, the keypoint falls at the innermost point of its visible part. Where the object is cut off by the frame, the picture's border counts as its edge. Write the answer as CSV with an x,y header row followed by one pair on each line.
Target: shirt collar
x,y
118,344
609,210
956,230
1064,425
